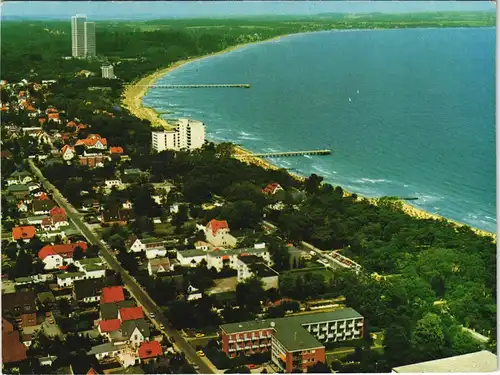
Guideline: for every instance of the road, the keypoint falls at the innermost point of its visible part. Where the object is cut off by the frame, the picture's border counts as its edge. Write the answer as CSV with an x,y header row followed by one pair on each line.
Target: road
x,y
135,289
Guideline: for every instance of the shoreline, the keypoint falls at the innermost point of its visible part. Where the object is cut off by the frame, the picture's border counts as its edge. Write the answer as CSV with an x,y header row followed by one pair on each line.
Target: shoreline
x,y
135,92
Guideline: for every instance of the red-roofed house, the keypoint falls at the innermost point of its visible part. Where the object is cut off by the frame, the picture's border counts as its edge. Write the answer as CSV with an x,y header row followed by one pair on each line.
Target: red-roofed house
x,y
116,151
68,152
93,141
23,233
58,217
130,313
109,325
112,294
54,117
272,189
53,256
42,120
92,372
149,351
217,233
13,350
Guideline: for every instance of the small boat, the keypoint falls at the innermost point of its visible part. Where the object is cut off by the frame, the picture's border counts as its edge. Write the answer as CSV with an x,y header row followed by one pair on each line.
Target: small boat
x,y
357,92
350,100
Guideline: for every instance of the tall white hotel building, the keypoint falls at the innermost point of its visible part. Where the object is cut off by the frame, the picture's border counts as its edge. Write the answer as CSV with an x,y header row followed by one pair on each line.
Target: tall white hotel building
x,y
188,134
82,37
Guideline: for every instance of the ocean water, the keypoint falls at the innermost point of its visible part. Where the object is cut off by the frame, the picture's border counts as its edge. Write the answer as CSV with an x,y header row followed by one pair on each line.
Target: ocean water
x,y
406,112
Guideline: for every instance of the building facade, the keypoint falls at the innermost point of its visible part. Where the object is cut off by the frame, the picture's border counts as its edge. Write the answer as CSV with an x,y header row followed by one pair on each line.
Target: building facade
x,y
187,135
90,49
295,342
78,35
108,72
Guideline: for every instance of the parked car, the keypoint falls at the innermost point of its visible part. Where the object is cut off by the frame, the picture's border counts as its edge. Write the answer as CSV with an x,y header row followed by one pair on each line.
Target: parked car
x,y
200,334
151,315
51,321
162,326
47,314
252,366
200,353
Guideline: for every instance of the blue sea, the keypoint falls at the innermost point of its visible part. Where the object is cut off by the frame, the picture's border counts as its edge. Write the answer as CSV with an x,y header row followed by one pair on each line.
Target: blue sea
x,y
407,112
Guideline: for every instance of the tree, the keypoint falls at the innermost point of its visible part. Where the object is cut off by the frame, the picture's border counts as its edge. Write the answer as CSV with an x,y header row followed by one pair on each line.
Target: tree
x,y
24,264
319,368
78,253
312,183
279,254
249,294
428,337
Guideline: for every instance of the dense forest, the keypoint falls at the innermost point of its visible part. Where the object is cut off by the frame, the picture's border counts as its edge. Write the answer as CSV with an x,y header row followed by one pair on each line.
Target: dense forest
x,y
438,276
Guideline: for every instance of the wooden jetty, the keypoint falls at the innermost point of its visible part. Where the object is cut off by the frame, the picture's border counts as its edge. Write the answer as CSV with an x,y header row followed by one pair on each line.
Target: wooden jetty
x,y
201,86
287,154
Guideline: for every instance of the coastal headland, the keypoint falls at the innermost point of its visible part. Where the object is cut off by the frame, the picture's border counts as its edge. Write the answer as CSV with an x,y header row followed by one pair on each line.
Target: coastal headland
x,y
135,92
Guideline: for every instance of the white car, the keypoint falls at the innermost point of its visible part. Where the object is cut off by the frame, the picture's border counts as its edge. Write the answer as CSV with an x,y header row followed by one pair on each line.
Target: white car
x,y
151,315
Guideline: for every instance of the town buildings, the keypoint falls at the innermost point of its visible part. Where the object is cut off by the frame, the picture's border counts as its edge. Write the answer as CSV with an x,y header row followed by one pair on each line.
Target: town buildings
x,y
187,135
295,342
82,37
217,233
108,71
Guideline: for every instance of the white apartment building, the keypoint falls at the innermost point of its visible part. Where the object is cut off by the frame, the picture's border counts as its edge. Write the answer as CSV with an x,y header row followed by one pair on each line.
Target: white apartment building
x,y
188,134
89,28
82,37
108,72
78,35
229,258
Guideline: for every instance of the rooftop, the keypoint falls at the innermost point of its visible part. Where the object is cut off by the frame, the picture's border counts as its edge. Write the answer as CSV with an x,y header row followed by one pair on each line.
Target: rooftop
x,y
242,252
483,361
295,337
105,348
288,322
192,253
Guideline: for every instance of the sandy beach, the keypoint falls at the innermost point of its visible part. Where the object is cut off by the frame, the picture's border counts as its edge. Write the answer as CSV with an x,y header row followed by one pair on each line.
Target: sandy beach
x,y
132,100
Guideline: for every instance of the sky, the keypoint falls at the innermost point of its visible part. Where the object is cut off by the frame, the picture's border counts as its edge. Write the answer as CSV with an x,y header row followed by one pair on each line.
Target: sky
x,y
195,9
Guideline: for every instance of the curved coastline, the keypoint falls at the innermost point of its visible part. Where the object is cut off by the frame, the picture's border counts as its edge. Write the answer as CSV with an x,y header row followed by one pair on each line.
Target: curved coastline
x,y
134,93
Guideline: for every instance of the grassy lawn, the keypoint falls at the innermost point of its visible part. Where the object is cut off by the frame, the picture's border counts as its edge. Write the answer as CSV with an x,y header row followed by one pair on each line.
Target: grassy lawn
x,y
164,229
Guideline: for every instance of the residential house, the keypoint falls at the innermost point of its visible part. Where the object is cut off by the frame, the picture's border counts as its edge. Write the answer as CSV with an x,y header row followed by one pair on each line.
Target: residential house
x,y
33,186
47,361
94,268
137,245
57,218
110,310
21,305
158,265
191,258
90,204
201,245
42,206
37,220
112,294
107,326
130,313
116,152
93,141
13,350
22,206
116,215
68,152
217,233
27,339
131,332
220,259
46,298
25,233
20,191
54,256
67,279
113,183
252,265
88,291
106,350
272,188
18,178
149,351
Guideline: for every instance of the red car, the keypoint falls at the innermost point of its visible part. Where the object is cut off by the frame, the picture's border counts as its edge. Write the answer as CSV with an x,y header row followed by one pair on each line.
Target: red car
x,y
51,321
251,366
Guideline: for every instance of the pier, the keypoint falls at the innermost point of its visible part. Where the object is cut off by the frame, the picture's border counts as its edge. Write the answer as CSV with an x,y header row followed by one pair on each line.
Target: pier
x,y
201,86
287,154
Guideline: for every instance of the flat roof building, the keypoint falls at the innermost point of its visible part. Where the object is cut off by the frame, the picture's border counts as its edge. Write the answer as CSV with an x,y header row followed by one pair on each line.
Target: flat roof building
x,y
295,342
483,361
187,135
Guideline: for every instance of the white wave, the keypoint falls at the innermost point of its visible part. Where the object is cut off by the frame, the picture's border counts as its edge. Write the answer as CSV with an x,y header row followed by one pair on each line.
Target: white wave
x,y
242,133
370,180
406,185
425,198
248,138
308,156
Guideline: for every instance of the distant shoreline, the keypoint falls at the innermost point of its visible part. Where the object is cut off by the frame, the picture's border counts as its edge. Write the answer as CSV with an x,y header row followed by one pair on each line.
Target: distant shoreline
x,y
135,92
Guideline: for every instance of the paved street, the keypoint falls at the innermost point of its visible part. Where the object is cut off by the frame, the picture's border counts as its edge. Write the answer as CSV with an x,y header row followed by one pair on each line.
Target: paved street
x,y
135,289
